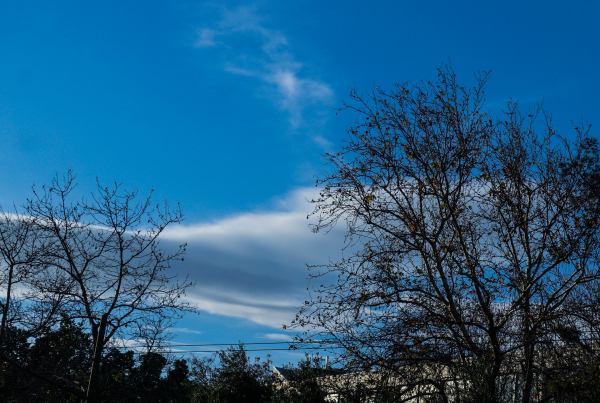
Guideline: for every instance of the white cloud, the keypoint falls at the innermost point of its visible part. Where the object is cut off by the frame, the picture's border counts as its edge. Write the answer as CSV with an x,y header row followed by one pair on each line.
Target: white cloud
x,y
274,312
287,83
253,265
184,330
239,71
276,336
264,54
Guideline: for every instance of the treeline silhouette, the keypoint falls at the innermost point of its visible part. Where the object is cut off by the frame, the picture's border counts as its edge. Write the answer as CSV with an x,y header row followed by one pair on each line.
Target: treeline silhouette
x,y
126,376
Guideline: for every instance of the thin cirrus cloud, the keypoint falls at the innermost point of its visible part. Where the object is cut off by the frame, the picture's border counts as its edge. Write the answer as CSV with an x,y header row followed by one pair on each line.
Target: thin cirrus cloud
x,y
253,265
252,50
184,330
276,336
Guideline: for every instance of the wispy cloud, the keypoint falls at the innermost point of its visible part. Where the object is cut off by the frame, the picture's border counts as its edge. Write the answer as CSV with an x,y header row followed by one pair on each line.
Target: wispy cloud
x,y
206,38
253,265
184,330
275,336
252,49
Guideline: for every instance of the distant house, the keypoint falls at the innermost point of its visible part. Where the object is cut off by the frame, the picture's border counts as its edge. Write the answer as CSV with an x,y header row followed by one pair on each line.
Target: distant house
x,y
333,382
336,383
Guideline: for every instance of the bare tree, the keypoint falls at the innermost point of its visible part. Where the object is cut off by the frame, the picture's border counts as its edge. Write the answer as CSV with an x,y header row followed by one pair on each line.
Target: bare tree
x,y
27,309
21,251
89,258
466,235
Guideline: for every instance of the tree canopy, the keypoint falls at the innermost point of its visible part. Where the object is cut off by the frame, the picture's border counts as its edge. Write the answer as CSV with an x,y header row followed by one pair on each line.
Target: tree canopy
x,y
472,241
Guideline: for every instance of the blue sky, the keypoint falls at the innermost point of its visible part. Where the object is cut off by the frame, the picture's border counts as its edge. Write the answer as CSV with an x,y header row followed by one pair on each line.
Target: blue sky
x,y
225,108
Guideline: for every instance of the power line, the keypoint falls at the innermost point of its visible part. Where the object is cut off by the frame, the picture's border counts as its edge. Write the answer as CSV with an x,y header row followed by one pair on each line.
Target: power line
x,y
230,344
216,351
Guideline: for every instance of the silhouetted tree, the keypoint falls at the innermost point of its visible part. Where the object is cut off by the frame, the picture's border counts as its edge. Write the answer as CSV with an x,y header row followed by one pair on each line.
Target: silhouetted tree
x,y
80,259
468,237
230,377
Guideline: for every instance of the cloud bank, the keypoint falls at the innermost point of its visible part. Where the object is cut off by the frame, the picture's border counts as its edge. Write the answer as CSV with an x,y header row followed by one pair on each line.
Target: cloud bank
x,y
253,265
249,48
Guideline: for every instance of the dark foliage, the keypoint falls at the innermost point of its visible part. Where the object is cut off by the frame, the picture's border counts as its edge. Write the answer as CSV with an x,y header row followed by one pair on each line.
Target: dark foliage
x,y
65,354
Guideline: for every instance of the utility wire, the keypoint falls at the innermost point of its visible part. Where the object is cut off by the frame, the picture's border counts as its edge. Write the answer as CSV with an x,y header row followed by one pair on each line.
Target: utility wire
x,y
216,351
229,344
